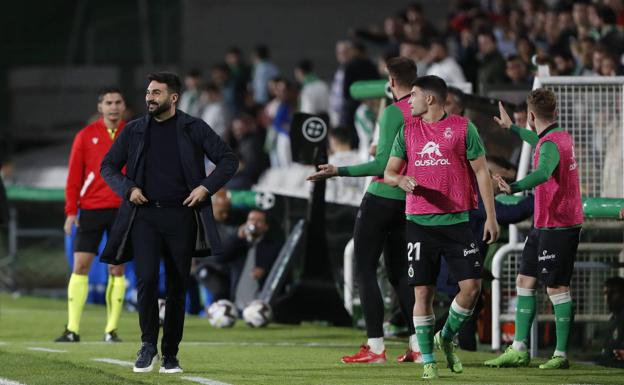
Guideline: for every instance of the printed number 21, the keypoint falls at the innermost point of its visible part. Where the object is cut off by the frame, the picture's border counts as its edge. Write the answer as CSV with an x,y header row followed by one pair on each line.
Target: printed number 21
x,y
413,248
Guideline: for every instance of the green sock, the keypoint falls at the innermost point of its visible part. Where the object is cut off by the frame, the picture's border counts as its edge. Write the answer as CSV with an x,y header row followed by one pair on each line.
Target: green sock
x,y
457,317
563,320
525,312
117,293
77,292
424,334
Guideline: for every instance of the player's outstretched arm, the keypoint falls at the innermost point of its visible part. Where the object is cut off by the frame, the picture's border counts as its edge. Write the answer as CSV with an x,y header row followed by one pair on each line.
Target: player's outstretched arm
x,y
480,168
325,171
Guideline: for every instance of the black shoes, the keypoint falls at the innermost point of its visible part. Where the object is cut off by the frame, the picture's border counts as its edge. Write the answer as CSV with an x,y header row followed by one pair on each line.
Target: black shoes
x,y
170,364
111,336
146,357
68,336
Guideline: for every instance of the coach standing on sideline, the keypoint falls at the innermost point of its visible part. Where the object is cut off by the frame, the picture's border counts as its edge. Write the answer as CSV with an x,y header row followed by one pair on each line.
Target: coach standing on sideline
x,y
166,208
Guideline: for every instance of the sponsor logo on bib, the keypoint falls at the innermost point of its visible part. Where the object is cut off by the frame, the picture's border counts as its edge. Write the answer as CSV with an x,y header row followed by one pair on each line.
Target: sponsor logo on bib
x,y
434,156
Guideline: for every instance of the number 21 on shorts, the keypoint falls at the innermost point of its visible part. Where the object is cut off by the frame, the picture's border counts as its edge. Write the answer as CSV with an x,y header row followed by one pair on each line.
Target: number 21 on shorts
x,y
413,248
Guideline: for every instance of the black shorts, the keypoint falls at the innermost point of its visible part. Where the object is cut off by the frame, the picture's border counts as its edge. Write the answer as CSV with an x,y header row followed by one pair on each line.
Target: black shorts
x,y
549,255
426,244
91,227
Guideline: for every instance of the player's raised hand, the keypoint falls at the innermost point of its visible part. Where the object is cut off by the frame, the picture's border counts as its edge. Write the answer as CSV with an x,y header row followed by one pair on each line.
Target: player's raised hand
x,y
502,185
408,184
325,171
504,120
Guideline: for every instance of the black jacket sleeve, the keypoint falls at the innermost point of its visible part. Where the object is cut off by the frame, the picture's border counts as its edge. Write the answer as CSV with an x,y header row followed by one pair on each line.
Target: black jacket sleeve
x,y
113,163
221,155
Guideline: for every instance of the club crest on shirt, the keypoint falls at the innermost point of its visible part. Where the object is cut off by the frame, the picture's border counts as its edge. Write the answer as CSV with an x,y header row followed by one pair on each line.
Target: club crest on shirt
x,y
94,140
448,132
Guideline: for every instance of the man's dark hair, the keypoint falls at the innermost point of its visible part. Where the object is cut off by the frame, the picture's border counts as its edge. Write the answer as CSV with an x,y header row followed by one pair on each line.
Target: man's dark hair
x,y
402,70
487,32
174,85
193,73
522,107
606,14
212,87
222,67
234,50
433,85
305,66
109,90
262,51
341,134
460,97
513,58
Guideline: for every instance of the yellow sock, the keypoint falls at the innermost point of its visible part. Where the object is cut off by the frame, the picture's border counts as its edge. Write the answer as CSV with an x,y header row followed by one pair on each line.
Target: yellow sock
x,y
77,292
107,294
115,302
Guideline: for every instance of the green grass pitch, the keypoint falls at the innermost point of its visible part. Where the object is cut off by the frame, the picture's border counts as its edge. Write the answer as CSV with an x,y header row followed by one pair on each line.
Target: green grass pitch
x,y
277,354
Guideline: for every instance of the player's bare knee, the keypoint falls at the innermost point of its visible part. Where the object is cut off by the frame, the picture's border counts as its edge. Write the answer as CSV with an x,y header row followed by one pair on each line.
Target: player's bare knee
x,y
553,290
116,270
526,282
423,293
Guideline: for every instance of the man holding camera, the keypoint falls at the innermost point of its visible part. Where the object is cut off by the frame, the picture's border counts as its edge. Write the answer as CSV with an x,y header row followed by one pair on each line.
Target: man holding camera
x,y
252,255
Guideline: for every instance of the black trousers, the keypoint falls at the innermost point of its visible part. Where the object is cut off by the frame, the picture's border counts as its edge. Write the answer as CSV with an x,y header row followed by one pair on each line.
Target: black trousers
x,y
163,234
380,226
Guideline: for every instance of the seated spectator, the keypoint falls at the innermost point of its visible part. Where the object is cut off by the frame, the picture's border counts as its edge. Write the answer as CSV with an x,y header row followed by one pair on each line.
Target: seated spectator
x,y
609,66
517,72
190,99
365,121
255,253
314,96
491,63
240,73
454,101
250,150
215,113
442,65
341,154
565,65
222,78
264,70
612,353
417,50
359,68
278,135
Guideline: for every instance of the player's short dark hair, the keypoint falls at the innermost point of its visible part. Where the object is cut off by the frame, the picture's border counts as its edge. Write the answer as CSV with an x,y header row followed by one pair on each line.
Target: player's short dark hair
x,y
172,80
341,133
109,90
305,66
402,70
434,85
543,103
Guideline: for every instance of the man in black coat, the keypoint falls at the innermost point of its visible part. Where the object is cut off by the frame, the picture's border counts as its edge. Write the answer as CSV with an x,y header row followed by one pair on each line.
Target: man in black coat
x,y
166,211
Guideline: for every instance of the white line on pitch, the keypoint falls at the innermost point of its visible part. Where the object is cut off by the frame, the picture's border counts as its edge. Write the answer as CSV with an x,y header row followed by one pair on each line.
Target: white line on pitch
x,y
114,361
204,381
5,381
47,350
278,343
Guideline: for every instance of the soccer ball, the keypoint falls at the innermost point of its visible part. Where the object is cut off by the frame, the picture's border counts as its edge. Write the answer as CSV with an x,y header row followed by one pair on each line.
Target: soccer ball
x,y
222,314
257,314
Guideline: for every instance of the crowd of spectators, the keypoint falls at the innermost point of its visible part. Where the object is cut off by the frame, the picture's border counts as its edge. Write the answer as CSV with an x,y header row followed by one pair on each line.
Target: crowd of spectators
x,y
249,100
